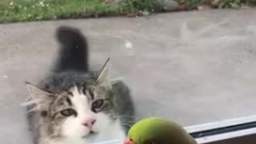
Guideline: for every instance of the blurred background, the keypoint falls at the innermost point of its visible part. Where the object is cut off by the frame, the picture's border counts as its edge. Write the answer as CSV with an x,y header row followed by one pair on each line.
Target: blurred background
x,y
192,61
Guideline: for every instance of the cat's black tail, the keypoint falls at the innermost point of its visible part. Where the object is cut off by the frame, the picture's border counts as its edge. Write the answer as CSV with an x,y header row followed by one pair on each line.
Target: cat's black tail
x,y
73,54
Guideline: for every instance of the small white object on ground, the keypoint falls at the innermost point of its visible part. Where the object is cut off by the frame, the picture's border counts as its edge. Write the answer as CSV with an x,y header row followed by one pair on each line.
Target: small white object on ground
x,y
128,44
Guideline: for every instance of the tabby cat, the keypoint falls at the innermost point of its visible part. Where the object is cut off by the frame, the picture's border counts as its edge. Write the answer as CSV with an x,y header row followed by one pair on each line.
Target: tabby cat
x,y
76,105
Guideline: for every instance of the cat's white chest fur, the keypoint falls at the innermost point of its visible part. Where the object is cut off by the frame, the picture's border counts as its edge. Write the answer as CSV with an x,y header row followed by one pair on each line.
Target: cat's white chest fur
x,y
108,134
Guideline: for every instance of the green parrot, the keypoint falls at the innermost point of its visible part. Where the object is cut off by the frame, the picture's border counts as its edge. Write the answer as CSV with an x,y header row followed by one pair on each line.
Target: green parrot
x,y
158,131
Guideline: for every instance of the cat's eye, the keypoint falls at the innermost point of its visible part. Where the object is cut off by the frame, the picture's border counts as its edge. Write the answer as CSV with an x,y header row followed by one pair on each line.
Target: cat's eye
x,y
98,105
68,112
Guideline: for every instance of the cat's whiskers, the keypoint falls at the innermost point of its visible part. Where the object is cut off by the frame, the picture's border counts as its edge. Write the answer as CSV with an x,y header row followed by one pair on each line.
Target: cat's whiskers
x,y
127,116
124,116
30,102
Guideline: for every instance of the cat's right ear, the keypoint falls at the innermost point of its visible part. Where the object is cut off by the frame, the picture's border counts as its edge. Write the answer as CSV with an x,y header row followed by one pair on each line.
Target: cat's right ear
x,y
35,92
37,96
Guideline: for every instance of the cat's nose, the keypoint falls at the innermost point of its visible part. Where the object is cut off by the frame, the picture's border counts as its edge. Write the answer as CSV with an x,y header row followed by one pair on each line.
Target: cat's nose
x,y
89,122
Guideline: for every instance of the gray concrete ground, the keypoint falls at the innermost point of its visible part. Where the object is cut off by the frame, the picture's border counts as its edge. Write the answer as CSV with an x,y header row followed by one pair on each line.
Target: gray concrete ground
x,y
193,67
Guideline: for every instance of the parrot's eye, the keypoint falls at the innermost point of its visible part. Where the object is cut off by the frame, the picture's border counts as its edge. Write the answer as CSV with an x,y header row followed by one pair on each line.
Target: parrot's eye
x,y
98,105
128,141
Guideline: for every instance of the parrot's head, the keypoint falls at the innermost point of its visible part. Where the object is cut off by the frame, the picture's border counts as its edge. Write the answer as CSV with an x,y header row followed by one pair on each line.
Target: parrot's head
x,y
157,131
146,131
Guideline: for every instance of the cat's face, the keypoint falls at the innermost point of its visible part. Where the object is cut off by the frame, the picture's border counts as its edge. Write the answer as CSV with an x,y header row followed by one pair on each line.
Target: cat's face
x,y
86,113
79,112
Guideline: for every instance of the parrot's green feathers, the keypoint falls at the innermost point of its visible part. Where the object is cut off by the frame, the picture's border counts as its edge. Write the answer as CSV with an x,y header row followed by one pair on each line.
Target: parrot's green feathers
x,y
159,131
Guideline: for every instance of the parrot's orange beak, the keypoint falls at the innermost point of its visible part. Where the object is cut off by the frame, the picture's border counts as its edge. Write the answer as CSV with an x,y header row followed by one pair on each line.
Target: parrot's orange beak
x,y
128,141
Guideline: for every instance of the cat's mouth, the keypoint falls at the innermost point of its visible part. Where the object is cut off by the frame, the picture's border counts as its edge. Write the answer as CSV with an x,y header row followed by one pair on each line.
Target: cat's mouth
x,y
90,134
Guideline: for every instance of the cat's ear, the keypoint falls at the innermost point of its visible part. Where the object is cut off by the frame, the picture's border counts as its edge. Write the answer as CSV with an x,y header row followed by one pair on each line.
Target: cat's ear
x,y
38,98
103,75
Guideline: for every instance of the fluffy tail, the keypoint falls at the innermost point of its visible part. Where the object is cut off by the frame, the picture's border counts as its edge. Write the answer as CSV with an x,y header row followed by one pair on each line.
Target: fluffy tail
x,y
73,54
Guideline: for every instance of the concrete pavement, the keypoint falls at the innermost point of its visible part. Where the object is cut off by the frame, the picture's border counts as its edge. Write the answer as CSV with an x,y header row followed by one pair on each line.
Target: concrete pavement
x,y
193,67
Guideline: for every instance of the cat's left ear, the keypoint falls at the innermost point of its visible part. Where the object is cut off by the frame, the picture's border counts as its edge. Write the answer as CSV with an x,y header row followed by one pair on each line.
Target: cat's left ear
x,y
103,75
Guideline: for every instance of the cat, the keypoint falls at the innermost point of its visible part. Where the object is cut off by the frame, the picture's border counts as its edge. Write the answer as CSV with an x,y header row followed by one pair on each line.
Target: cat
x,y
76,105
